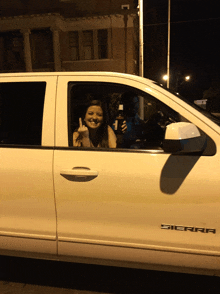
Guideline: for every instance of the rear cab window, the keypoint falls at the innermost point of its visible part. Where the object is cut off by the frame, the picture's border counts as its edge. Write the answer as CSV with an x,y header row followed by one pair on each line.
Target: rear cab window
x,y
21,112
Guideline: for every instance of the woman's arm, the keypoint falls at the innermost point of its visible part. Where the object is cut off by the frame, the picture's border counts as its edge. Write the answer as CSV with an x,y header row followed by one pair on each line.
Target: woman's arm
x,y
80,141
112,140
76,140
81,137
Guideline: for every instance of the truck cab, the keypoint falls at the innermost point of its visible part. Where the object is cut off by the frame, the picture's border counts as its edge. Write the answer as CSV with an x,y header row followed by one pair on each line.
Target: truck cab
x,y
152,202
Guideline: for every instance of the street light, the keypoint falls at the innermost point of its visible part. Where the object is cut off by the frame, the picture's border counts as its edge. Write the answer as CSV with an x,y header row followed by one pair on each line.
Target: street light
x,y
165,77
180,80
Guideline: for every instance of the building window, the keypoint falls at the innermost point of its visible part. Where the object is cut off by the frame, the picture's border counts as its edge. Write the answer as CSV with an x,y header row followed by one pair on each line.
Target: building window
x,y
11,52
42,41
102,44
74,45
88,46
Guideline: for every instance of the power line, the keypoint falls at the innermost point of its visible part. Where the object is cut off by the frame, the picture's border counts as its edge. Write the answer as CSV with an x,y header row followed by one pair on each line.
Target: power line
x,y
181,21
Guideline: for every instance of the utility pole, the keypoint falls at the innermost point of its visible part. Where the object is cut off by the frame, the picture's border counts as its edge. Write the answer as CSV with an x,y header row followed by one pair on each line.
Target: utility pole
x,y
141,53
168,47
141,39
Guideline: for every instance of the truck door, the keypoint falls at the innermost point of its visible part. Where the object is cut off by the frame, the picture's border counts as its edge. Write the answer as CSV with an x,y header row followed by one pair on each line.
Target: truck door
x,y
136,202
27,207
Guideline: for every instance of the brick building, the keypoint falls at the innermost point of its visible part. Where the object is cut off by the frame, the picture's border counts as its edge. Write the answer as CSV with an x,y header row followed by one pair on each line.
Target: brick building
x,y
68,35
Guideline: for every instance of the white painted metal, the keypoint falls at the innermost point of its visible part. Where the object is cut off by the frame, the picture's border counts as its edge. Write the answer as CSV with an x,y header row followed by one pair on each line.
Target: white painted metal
x,y
135,192
113,207
27,204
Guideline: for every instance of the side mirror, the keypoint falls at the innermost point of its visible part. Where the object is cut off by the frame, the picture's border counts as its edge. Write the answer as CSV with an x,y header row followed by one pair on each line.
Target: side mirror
x,y
183,137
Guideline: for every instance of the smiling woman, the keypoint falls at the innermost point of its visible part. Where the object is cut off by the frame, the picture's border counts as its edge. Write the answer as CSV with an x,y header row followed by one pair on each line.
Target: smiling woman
x,y
95,132
94,117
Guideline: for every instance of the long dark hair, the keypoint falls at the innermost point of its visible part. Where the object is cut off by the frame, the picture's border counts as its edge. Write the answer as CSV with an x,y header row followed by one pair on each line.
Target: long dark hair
x,y
102,132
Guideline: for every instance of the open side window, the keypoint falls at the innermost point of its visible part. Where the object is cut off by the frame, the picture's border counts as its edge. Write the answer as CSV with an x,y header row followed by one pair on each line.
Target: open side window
x,y
146,116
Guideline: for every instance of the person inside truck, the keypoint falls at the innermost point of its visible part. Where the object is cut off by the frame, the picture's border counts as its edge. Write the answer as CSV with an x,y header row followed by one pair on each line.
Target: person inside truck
x,y
134,123
94,130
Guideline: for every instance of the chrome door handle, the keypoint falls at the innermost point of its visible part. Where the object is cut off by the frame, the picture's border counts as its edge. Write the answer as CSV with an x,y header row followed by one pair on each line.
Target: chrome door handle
x,y
79,173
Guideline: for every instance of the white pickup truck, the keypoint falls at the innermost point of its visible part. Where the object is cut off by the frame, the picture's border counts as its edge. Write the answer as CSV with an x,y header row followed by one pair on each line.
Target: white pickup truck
x,y
152,202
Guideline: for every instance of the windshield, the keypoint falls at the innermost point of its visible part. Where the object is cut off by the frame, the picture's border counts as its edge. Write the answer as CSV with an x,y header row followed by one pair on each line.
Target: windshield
x,y
211,116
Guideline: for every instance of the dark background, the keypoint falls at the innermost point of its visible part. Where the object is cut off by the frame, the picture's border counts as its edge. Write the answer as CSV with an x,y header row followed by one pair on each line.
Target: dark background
x,y
26,276
194,45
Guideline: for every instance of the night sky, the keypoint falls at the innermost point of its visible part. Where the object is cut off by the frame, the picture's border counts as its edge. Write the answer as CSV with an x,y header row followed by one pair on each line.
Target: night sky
x,y
194,49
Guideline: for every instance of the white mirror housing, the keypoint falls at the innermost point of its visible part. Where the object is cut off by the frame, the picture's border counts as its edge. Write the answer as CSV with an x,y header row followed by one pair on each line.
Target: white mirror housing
x,y
183,137
181,130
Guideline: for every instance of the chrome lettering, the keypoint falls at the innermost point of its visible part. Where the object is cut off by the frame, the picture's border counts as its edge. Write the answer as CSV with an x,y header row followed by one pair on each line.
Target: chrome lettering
x,y
202,230
179,228
191,229
184,228
166,227
211,231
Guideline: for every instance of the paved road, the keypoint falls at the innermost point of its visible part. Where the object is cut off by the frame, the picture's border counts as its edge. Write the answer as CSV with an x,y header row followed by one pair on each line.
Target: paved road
x,y
23,276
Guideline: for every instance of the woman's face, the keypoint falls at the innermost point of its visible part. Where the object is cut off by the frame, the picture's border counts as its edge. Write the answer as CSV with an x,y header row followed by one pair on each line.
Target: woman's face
x,y
94,117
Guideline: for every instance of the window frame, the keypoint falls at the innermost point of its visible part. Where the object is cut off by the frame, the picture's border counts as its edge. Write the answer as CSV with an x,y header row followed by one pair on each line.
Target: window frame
x,y
94,44
102,42
144,85
74,45
48,121
106,85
